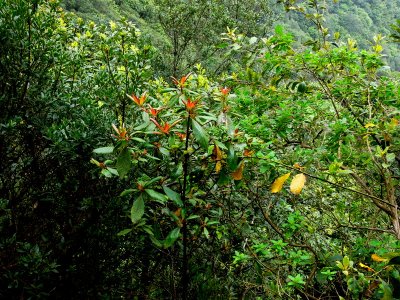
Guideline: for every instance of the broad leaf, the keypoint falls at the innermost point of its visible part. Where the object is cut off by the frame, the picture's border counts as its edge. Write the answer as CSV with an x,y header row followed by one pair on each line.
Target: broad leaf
x,y
200,134
172,237
174,196
232,159
137,209
124,163
156,196
127,192
104,150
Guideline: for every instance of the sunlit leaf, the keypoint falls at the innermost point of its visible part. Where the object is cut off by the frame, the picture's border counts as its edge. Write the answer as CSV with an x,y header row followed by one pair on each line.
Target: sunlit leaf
x,y
297,183
218,167
278,183
369,125
369,269
377,258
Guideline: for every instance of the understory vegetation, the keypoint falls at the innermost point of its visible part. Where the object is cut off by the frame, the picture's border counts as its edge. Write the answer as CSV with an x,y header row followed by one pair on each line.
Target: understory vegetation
x,y
238,159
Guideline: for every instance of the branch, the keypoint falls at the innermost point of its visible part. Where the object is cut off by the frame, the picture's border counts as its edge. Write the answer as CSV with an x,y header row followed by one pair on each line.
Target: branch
x,y
366,228
330,182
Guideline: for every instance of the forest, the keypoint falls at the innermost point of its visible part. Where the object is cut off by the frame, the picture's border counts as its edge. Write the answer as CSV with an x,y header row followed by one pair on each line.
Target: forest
x,y
210,149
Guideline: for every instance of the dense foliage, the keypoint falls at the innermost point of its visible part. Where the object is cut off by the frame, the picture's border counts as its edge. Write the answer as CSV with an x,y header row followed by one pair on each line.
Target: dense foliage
x,y
267,167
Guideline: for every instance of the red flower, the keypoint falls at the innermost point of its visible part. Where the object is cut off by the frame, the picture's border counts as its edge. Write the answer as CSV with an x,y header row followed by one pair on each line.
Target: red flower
x,y
153,111
182,82
139,101
190,105
225,91
165,128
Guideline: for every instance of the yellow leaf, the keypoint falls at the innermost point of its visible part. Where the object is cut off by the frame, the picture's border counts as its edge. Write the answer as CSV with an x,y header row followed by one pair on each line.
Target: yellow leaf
x,y
369,269
297,184
377,258
217,153
368,125
238,174
217,156
278,183
218,167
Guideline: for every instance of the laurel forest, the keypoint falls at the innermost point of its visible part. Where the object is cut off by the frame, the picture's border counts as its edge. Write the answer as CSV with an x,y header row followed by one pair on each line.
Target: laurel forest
x,y
170,160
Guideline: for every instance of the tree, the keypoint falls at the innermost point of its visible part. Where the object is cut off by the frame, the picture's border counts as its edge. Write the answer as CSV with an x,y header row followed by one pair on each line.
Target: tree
x,y
193,28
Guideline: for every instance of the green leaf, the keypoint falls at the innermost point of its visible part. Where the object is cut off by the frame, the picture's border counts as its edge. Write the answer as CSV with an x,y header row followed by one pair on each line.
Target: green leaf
x,y
164,151
200,134
156,196
124,232
104,150
127,192
138,140
174,196
387,291
137,209
155,179
106,173
172,237
206,233
390,157
113,171
156,242
232,159
124,163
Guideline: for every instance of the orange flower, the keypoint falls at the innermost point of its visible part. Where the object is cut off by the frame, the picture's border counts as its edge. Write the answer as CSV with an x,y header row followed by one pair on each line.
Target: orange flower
x,y
153,111
122,133
190,105
139,101
225,91
165,128
182,82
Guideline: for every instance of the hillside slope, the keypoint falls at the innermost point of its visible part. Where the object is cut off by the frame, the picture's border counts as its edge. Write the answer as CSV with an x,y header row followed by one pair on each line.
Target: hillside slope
x,y
358,19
